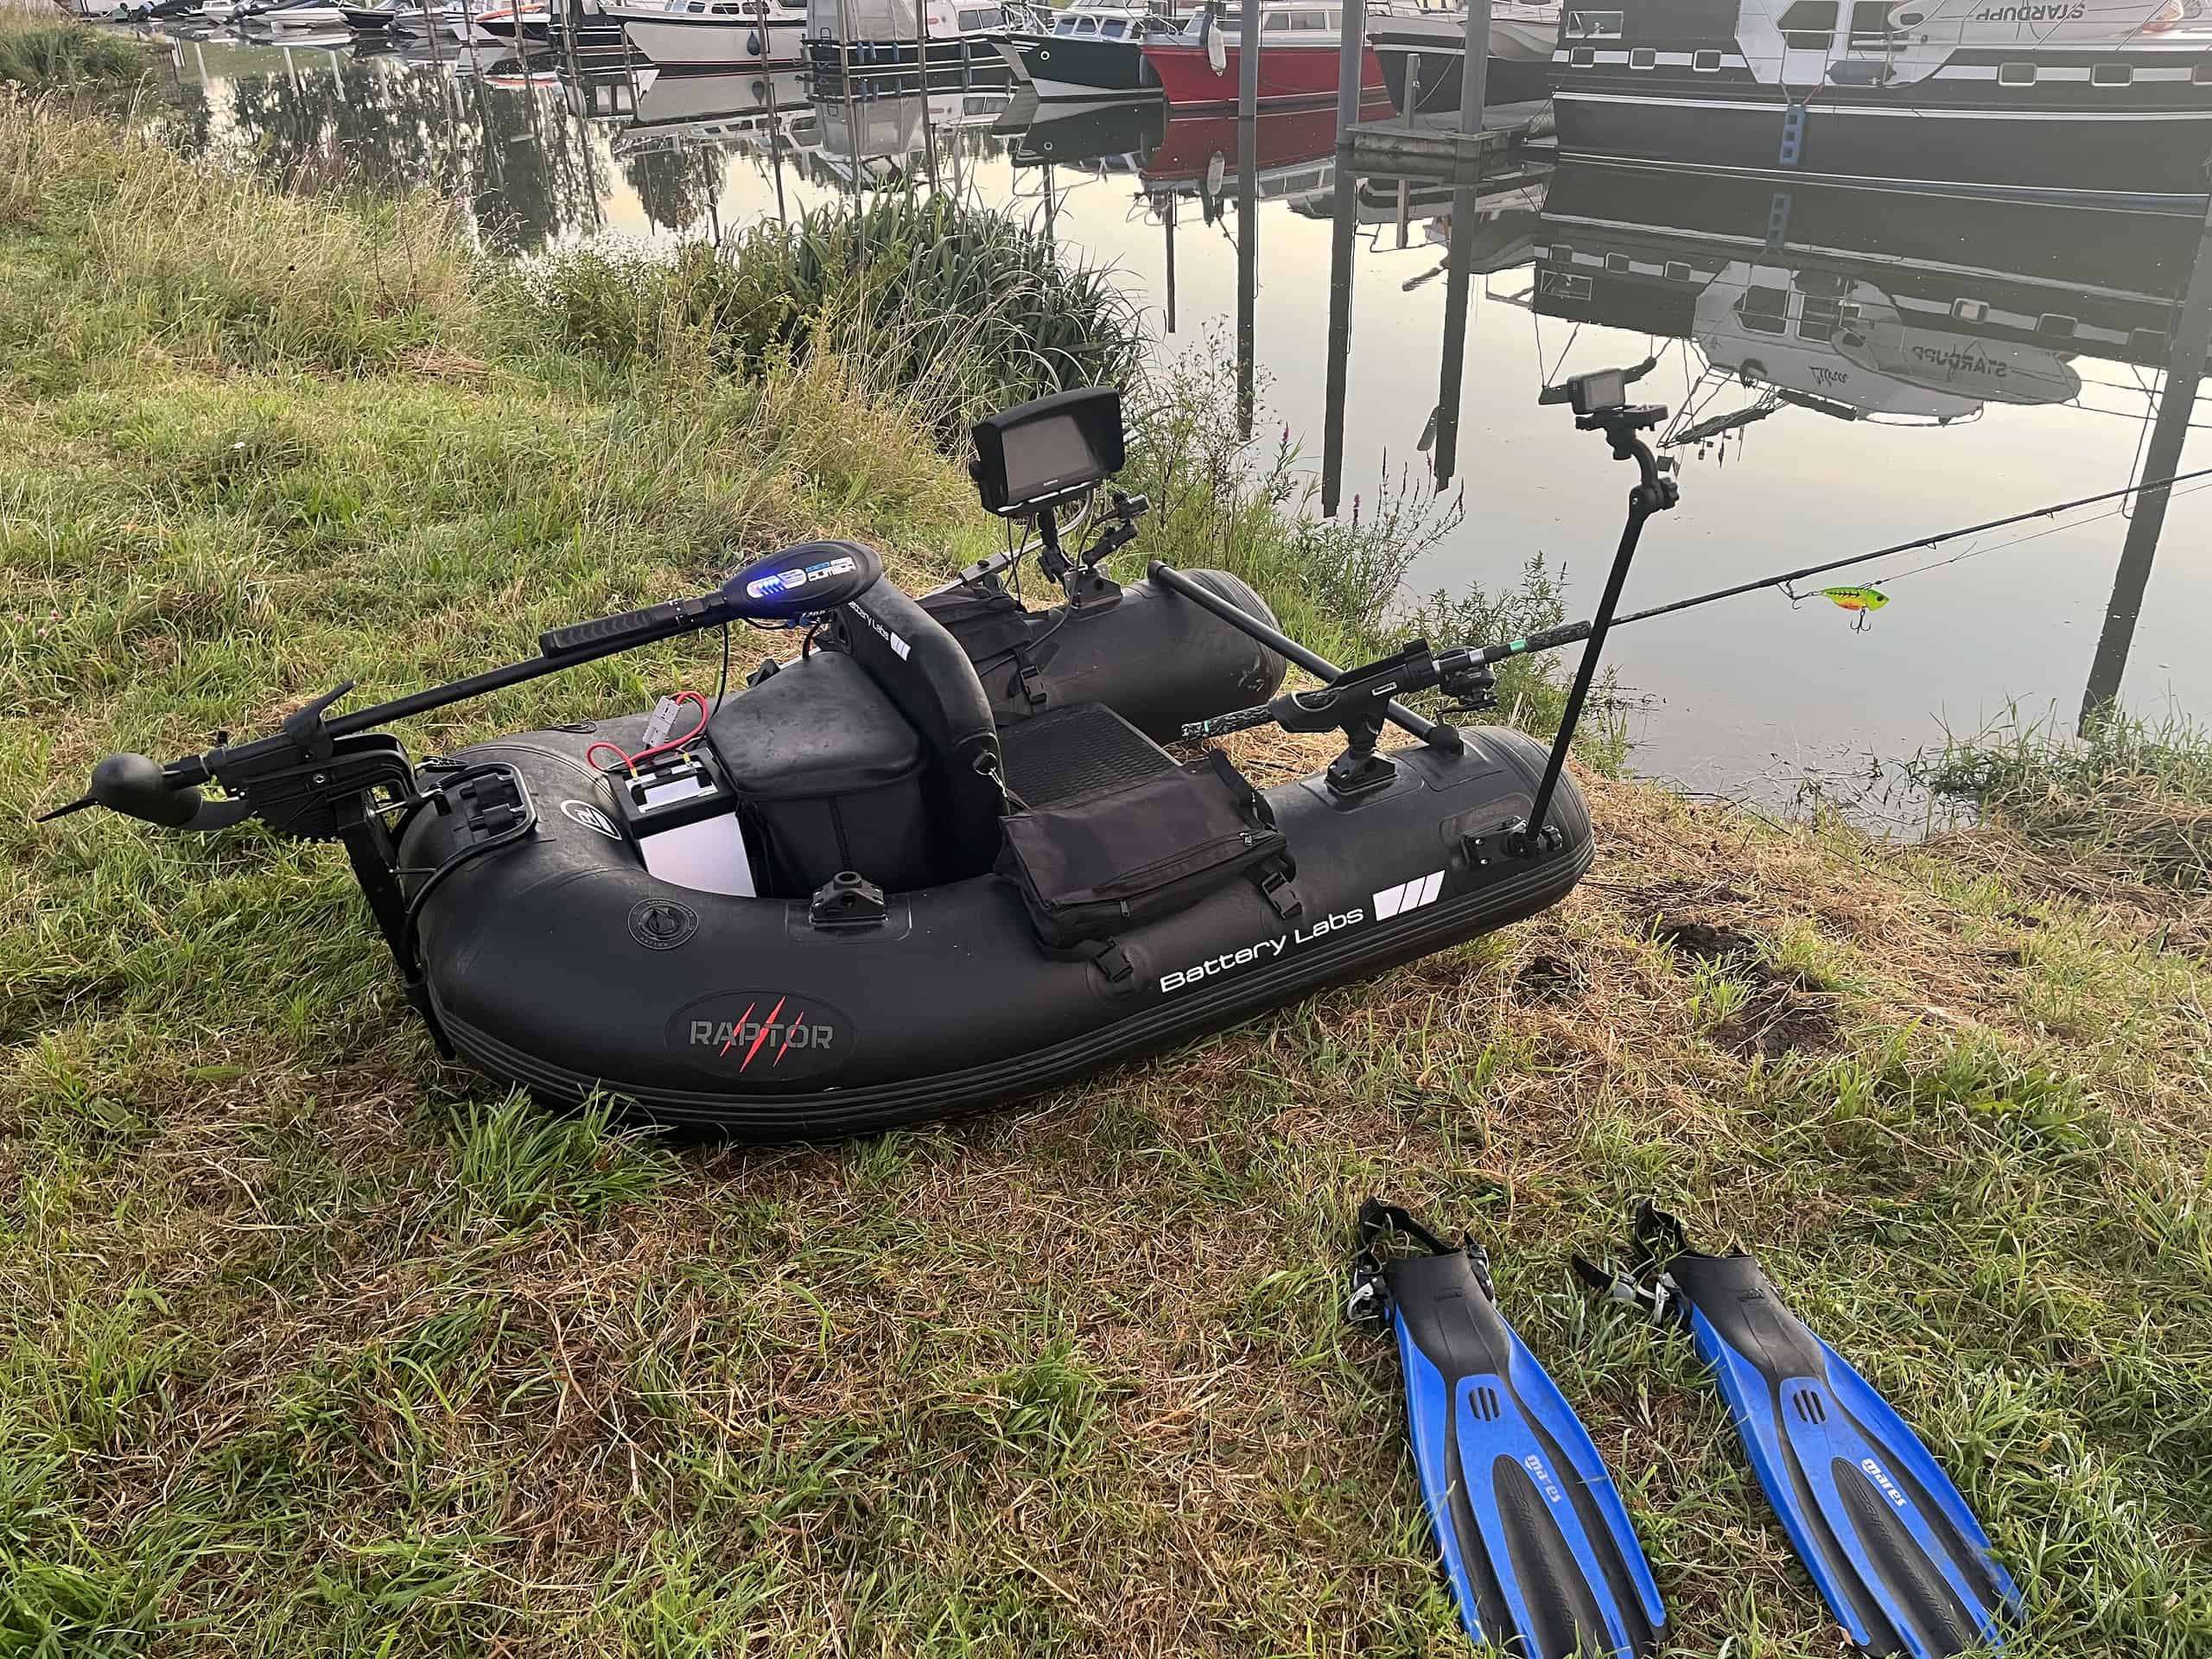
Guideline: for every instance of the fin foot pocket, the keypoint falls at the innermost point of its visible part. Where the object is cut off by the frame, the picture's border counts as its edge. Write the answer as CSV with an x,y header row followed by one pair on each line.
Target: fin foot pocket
x,y
1900,1559
1542,1559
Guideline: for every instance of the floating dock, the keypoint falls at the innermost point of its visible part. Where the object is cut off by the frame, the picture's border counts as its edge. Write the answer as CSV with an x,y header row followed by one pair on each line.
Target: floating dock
x,y
1434,145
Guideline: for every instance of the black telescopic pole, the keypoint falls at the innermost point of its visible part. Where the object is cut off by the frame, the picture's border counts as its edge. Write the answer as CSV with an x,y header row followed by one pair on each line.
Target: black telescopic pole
x,y
1282,645
563,649
1652,493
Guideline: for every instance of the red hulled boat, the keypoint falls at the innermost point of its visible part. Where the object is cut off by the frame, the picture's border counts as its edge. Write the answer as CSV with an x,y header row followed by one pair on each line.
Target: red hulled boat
x,y
1299,47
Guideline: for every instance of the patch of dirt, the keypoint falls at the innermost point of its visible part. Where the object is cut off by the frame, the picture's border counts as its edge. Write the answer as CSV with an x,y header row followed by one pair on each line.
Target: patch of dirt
x,y
1778,1020
1780,1016
1546,977
1671,893
1710,942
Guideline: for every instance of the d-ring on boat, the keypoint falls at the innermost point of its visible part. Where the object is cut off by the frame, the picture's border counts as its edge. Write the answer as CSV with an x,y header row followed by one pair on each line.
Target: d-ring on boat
x,y
937,861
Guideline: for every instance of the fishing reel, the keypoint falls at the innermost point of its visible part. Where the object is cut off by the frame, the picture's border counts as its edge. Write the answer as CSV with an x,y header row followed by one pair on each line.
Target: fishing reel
x,y
1358,704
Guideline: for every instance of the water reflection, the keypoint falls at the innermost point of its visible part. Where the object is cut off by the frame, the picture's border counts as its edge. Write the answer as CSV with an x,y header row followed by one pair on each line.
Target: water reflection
x,y
1485,220
1847,366
1873,306
1854,304
504,145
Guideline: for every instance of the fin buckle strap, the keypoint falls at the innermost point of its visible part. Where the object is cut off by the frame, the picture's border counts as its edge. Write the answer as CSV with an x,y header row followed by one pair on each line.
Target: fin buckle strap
x,y
1369,1303
1656,1238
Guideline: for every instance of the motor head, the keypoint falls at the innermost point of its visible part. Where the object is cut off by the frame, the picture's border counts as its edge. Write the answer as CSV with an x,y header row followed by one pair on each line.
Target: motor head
x,y
801,581
138,786
141,787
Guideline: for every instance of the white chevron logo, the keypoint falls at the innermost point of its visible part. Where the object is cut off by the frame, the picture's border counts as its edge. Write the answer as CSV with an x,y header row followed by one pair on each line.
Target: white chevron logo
x,y
1412,895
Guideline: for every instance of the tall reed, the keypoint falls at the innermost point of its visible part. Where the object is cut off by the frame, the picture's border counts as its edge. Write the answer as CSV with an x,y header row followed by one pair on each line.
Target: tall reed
x,y
41,50
935,301
2131,798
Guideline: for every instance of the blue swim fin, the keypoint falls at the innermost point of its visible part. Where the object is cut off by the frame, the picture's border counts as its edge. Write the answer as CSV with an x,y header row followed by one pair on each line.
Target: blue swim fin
x,y
1900,1559
1539,1551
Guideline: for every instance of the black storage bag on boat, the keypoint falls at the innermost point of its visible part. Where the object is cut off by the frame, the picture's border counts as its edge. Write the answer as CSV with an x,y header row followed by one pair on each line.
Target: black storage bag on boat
x,y
993,629
829,778
1103,863
989,624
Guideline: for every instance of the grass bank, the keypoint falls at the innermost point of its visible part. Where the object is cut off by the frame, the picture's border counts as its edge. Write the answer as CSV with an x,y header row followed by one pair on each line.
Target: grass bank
x,y
2130,802
312,1346
41,50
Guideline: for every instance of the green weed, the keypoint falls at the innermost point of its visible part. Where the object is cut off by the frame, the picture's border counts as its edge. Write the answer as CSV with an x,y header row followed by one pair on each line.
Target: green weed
x,y
2131,798
517,1163
945,306
40,51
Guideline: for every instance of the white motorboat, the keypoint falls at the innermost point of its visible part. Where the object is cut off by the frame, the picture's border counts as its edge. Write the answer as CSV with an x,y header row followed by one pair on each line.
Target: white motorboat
x,y
307,14
1521,31
714,33
2077,22
861,35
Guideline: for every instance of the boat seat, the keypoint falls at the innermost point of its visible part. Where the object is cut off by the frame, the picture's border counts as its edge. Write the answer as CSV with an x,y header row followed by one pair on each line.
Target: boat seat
x,y
922,669
1075,751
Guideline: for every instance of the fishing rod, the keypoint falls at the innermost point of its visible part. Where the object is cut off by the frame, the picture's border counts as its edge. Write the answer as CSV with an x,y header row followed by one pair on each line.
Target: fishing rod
x,y
1572,632
1359,700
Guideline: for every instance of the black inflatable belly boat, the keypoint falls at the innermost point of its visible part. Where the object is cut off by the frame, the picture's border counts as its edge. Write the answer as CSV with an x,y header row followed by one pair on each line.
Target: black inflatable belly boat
x,y
888,972
936,859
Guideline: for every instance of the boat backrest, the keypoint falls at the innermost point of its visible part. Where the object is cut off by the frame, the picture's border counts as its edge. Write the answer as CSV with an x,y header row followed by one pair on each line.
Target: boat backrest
x,y
922,669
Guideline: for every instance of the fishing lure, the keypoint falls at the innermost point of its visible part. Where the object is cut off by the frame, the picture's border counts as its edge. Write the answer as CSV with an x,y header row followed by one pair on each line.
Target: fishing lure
x,y
1861,602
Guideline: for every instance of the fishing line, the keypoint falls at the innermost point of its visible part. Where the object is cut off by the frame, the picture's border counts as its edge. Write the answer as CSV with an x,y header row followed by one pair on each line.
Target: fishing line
x,y
1937,540
2120,512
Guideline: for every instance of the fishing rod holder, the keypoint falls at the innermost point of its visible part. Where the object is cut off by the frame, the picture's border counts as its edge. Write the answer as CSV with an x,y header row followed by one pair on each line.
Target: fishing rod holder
x,y
1357,702
1436,734
1600,405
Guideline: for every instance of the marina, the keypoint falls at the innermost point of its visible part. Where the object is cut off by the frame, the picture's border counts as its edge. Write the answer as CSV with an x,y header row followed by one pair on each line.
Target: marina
x,y
1959,346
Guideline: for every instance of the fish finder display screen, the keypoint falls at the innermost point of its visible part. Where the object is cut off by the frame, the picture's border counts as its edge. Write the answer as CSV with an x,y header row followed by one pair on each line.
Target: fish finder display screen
x,y
1041,453
1048,451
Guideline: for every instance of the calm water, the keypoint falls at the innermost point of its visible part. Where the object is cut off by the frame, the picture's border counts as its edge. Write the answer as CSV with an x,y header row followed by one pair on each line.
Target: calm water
x,y
1866,366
